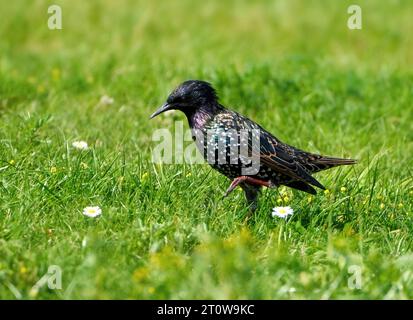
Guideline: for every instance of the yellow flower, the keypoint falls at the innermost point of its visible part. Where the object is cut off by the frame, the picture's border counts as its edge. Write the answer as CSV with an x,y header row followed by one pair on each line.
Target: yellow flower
x,y
188,174
33,292
55,74
23,270
12,162
343,189
326,191
283,191
53,170
140,274
382,206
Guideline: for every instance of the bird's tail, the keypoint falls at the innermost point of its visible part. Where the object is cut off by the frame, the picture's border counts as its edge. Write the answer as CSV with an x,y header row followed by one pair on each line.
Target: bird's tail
x,y
323,163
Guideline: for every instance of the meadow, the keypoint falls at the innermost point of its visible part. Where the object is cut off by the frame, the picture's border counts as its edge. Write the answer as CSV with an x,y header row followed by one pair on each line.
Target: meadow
x,y
165,231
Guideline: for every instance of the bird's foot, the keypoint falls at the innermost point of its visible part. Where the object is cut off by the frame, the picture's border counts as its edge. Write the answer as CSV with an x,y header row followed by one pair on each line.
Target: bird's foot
x,y
249,180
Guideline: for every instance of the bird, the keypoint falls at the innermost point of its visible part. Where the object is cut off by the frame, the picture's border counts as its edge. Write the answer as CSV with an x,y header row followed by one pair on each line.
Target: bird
x,y
217,131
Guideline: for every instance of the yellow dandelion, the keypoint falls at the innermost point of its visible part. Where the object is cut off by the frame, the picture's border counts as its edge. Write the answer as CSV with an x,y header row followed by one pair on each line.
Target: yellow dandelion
x,y
12,162
23,270
140,274
283,191
55,74
53,170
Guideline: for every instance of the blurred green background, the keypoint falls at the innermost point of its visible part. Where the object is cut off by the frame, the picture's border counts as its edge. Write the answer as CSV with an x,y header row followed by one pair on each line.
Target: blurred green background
x,y
165,232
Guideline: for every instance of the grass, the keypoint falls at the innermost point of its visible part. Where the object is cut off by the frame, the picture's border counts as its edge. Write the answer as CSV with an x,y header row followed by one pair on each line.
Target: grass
x,y
165,231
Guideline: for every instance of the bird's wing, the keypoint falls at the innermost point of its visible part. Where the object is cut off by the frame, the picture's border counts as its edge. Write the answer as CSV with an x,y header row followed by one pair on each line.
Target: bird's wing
x,y
277,155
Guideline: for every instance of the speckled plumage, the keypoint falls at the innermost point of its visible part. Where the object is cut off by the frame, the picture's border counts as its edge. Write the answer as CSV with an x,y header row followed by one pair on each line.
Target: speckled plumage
x,y
214,128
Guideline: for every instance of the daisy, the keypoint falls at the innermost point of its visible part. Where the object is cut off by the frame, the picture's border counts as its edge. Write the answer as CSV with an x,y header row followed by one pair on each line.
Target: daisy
x,y
92,211
80,145
106,100
282,212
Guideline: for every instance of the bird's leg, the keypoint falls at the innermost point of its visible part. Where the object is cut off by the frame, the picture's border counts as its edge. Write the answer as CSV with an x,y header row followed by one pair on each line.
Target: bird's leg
x,y
249,180
251,195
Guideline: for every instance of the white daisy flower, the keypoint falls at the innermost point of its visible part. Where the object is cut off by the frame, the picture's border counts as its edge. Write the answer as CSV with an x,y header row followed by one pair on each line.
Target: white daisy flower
x,y
92,211
106,101
80,145
282,212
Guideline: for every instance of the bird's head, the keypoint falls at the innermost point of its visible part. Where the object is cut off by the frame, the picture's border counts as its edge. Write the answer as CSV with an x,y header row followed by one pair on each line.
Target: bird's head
x,y
188,97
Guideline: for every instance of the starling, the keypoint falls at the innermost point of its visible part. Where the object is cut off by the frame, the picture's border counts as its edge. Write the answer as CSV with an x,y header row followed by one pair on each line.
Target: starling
x,y
217,132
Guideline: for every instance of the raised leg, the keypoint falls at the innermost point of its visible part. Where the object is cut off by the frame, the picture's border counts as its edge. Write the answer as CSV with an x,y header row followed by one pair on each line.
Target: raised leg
x,y
247,180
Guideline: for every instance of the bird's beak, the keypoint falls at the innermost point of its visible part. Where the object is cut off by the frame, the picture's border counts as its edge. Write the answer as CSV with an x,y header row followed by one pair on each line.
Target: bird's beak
x,y
163,108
